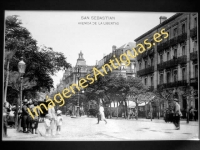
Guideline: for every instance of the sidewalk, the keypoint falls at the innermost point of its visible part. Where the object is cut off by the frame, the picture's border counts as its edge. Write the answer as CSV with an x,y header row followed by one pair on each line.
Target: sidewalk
x,y
14,134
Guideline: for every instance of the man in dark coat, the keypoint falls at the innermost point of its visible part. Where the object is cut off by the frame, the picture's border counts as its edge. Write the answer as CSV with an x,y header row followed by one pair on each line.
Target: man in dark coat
x,y
24,116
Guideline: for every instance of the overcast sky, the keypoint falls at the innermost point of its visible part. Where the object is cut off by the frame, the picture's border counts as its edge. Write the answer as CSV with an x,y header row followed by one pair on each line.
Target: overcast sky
x,y
61,31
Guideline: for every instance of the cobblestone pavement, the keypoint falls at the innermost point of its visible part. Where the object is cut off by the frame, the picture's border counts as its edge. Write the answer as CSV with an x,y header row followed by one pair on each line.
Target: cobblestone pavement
x,y
87,129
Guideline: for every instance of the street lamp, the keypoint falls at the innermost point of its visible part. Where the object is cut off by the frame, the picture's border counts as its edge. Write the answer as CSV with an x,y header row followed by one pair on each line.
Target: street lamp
x,y
21,69
78,75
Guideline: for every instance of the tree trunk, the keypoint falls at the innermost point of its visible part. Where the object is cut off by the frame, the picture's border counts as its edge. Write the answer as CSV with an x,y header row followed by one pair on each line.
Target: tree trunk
x,y
117,109
7,76
145,110
125,110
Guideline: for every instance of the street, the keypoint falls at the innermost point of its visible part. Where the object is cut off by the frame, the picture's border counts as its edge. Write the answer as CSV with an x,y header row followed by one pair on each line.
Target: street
x,y
87,129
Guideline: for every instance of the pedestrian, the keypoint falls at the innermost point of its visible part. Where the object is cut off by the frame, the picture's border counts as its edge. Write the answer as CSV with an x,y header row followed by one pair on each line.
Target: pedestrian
x,y
151,111
177,114
35,103
29,118
47,124
59,121
101,114
24,115
5,119
34,121
51,112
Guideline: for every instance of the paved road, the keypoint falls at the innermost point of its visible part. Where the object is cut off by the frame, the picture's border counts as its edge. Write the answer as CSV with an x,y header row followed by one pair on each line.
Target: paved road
x,y
86,129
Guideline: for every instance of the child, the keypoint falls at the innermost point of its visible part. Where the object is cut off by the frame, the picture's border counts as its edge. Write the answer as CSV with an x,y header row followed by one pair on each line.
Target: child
x,y
34,123
47,124
59,120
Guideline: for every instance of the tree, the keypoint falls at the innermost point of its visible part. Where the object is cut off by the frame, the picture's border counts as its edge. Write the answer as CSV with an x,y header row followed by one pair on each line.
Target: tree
x,y
41,62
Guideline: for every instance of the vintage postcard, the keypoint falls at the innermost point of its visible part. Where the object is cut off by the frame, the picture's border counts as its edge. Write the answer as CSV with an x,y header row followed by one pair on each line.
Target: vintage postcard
x,y
100,76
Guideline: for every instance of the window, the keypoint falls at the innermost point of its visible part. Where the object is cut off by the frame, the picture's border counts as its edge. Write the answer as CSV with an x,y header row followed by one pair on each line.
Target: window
x,y
168,55
175,76
145,63
168,36
145,81
168,77
161,78
151,61
195,22
183,74
195,46
140,65
196,71
151,80
175,53
175,32
183,28
161,58
183,50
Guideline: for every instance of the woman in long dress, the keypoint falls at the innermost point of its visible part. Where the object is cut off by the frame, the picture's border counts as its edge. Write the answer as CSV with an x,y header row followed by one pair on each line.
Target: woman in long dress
x,y
101,111
52,114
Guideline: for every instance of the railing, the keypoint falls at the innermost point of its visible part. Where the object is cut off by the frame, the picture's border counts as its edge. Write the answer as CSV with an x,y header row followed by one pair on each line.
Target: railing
x,y
182,59
145,54
160,48
150,52
194,82
173,84
193,55
182,37
168,64
193,32
173,41
145,71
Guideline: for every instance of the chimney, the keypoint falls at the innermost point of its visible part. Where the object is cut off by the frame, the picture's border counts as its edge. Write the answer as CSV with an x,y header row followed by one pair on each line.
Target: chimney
x,y
162,19
113,48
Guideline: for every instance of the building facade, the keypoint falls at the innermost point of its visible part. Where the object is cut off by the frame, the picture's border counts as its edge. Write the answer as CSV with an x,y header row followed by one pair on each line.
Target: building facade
x,y
126,71
172,64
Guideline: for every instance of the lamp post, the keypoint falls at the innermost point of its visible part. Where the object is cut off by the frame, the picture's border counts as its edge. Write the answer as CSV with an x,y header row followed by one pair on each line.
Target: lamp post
x,y
78,75
21,69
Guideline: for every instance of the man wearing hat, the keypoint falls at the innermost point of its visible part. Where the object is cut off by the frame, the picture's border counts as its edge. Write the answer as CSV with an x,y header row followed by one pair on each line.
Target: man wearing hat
x,y
177,114
24,116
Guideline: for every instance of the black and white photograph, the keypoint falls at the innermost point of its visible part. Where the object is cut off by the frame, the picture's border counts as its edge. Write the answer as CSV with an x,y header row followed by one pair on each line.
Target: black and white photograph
x,y
100,76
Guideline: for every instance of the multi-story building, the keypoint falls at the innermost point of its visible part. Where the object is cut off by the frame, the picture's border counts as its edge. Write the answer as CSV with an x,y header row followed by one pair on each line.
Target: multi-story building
x,y
172,64
124,70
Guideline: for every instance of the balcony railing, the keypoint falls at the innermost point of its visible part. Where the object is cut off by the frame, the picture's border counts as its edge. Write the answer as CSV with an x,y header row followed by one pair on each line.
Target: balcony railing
x,y
168,64
150,52
173,84
146,71
160,48
173,41
194,82
182,59
193,32
182,37
193,55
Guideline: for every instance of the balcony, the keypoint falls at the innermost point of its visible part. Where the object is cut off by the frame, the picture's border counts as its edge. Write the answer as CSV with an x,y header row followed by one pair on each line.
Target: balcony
x,y
182,37
173,84
194,82
166,45
150,52
193,32
145,71
173,41
182,59
168,64
160,48
193,56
